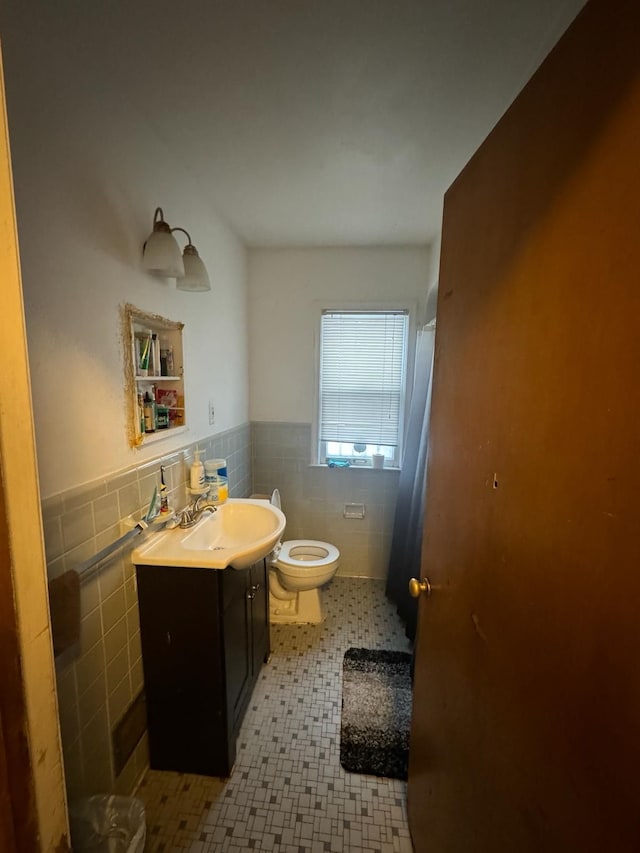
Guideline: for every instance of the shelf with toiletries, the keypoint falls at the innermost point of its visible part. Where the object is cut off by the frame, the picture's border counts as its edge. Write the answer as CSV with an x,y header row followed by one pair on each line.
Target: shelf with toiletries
x,y
154,372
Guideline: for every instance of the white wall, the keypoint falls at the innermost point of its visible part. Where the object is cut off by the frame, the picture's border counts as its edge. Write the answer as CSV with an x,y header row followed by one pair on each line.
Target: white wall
x,y
89,170
284,287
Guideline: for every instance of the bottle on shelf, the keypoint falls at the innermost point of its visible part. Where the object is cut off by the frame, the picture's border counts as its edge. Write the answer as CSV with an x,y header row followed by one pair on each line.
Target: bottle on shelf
x,y
143,353
149,413
141,412
196,473
166,358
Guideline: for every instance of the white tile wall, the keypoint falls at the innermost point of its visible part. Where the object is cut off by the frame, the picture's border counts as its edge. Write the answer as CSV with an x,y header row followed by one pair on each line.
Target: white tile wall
x,y
314,496
99,677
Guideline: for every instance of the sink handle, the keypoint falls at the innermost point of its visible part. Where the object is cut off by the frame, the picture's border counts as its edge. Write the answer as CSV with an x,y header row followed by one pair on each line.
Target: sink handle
x,y
186,518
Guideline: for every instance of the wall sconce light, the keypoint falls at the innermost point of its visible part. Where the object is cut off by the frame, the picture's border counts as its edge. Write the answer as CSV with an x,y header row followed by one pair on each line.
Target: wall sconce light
x,y
161,255
196,277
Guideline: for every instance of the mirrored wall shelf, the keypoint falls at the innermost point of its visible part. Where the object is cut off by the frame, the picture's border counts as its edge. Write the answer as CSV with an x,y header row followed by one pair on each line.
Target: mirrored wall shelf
x,y
154,376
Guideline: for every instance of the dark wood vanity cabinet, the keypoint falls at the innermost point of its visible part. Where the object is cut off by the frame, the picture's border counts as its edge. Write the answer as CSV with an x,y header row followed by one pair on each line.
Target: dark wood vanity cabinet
x,y
205,635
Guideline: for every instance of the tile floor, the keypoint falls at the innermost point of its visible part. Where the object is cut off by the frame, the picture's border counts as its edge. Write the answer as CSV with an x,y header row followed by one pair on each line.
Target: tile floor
x,y
288,792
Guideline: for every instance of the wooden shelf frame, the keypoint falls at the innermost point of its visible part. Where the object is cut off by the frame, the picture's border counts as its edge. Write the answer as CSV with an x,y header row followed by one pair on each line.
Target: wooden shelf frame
x,y
134,322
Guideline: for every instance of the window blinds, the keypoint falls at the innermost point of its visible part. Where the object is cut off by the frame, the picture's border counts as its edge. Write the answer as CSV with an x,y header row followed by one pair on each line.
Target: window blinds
x,y
362,376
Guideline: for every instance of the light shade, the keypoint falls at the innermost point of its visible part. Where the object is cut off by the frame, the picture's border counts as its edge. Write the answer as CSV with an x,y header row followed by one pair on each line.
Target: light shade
x,y
196,277
161,253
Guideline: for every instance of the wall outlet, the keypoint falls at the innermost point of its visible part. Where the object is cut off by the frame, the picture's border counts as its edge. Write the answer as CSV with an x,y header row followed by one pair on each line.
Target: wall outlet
x,y
212,413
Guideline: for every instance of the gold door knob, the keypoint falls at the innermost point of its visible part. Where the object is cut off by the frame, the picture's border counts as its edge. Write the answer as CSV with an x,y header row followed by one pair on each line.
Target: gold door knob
x,y
416,587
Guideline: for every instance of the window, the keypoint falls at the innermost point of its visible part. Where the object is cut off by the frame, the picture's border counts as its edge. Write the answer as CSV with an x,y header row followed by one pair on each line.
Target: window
x,y
362,381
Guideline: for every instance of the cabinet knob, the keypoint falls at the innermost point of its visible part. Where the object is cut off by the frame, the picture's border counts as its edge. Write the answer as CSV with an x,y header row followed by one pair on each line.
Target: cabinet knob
x,y
255,587
251,595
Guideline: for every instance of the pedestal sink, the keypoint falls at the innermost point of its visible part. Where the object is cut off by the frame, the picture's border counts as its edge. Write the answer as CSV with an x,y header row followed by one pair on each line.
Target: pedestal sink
x,y
239,533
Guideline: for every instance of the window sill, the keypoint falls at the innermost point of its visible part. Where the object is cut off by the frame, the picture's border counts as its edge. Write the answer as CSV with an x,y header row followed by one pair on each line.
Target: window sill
x,y
355,467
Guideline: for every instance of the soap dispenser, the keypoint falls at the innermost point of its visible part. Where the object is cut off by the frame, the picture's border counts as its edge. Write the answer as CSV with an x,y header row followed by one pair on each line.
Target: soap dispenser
x,y
196,477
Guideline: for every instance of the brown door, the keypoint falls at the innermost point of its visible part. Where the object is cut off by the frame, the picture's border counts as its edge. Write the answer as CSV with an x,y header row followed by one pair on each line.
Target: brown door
x,y
18,819
526,733
7,833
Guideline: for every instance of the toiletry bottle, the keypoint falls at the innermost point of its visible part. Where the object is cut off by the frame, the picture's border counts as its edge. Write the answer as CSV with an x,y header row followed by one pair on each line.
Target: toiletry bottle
x,y
220,466
149,413
166,358
223,489
154,363
145,349
164,498
223,479
196,475
210,471
141,412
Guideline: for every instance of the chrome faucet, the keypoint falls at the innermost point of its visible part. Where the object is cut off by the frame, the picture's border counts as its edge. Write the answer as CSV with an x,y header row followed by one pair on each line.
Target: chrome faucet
x,y
192,513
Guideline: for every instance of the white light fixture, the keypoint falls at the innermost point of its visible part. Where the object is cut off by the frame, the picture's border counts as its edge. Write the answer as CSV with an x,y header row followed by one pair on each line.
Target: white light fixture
x,y
161,253
196,277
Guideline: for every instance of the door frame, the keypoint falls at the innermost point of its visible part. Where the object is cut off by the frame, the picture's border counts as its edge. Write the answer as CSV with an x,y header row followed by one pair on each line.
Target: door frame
x,y
36,811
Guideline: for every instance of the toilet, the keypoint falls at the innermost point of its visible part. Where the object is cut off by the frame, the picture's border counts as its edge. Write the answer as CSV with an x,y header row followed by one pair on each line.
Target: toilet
x,y
297,571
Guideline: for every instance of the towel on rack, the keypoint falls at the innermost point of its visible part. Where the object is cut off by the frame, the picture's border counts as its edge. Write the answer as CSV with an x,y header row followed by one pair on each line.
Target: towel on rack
x,y
64,606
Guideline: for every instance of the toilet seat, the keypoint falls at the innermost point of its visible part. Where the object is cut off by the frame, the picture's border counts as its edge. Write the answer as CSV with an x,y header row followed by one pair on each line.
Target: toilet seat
x,y
305,554
299,568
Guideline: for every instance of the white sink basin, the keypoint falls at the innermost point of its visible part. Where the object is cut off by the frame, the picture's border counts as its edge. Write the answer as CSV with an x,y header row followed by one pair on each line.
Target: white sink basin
x,y
240,532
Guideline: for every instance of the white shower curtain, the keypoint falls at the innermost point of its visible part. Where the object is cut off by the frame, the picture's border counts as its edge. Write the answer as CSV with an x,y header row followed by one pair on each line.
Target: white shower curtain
x,y
406,544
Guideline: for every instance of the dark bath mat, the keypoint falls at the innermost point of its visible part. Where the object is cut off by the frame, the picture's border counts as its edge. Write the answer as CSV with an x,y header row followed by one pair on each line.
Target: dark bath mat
x,y
376,712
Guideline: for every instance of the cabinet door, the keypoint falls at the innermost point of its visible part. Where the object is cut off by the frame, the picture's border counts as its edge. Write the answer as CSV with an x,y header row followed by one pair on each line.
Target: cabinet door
x,y
260,645
182,668
237,649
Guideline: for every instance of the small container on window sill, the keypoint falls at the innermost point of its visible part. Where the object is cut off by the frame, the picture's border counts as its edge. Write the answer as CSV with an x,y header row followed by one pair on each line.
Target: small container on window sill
x,y
377,461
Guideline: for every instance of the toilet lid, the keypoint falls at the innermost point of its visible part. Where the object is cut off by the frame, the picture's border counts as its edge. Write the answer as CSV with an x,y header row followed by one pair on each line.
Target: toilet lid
x,y
307,553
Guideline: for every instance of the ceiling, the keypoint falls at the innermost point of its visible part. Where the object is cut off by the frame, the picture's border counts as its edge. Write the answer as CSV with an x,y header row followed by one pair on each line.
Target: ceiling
x,y
324,122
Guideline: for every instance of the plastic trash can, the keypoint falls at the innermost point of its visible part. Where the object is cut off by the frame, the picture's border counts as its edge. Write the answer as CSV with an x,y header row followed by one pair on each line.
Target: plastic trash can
x,y
107,824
